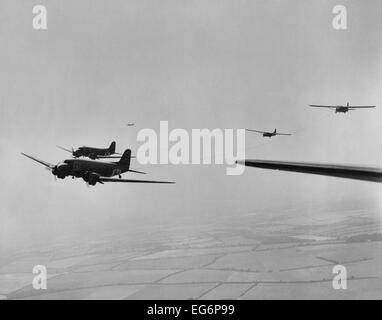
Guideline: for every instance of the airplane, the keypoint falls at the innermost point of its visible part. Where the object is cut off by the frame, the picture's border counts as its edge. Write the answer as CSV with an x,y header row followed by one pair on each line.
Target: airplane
x,y
270,134
130,124
93,172
341,109
93,153
333,170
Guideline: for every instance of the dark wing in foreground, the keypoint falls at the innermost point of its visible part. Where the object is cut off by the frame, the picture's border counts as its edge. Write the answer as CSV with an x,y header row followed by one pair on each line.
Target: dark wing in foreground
x,y
102,179
341,171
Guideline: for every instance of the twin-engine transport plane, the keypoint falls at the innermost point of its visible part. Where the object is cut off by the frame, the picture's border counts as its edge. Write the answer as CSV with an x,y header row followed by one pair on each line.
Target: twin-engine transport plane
x,y
341,109
94,172
333,170
270,134
93,153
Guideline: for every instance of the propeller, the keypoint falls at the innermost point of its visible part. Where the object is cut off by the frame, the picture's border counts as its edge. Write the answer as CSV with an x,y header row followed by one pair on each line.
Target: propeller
x,y
53,170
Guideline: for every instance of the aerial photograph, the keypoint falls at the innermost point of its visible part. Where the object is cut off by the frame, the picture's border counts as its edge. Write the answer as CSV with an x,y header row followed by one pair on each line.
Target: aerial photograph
x,y
191,150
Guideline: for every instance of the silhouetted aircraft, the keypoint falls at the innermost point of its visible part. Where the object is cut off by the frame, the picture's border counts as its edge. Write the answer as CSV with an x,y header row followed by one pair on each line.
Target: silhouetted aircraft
x,y
270,134
334,170
92,171
93,153
130,124
341,109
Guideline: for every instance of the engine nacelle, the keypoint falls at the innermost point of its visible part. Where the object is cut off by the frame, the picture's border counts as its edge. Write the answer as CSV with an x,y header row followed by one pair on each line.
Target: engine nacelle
x,y
61,170
91,178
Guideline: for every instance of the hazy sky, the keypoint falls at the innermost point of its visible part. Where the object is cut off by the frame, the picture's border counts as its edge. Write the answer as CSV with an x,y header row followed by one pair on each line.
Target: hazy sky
x,y
198,64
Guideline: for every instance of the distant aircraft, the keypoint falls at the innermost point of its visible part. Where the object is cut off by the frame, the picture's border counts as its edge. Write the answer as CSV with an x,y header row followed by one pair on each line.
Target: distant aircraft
x,y
130,124
341,109
93,153
93,172
334,170
270,134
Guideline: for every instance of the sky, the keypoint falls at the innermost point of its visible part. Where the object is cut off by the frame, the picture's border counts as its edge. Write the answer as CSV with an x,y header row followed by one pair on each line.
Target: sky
x,y
197,64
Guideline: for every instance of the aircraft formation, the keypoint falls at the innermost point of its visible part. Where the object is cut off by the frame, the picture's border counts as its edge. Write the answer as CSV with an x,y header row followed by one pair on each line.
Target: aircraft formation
x,y
93,171
333,170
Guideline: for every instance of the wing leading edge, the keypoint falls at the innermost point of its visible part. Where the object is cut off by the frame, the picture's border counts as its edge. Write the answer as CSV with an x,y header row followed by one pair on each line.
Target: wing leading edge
x,y
360,107
333,170
283,134
251,130
321,106
44,163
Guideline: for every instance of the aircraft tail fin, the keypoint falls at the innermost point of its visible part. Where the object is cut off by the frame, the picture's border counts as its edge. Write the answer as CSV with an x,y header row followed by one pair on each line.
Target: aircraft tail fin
x,y
112,147
125,159
274,131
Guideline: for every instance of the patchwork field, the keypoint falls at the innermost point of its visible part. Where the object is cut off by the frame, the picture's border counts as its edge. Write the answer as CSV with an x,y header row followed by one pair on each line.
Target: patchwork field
x,y
257,257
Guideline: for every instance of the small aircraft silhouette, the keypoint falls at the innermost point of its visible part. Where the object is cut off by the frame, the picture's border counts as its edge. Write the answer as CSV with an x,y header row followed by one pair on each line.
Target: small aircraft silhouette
x,y
130,124
341,109
270,134
93,153
93,172
333,170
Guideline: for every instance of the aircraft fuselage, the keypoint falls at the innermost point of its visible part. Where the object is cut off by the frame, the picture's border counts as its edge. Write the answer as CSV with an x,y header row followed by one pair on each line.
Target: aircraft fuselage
x,y
92,153
340,109
268,134
79,168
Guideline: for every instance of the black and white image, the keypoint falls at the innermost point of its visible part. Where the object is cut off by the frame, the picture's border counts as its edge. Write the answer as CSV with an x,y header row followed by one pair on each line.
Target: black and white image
x,y
188,149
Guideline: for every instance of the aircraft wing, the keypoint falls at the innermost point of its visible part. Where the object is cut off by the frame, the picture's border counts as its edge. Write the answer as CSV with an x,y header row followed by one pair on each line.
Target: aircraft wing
x,y
46,164
283,134
102,179
112,157
321,106
65,149
109,157
256,131
333,170
360,107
